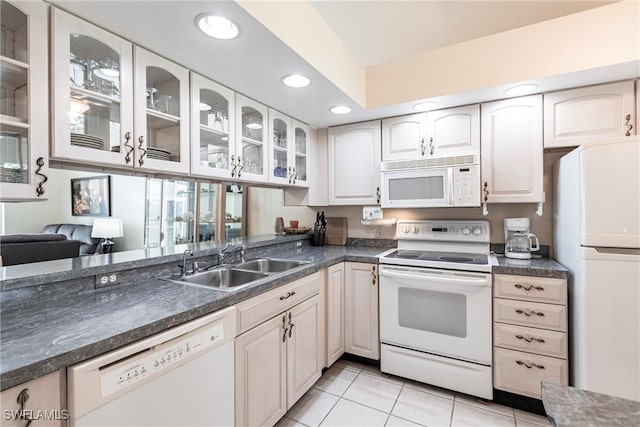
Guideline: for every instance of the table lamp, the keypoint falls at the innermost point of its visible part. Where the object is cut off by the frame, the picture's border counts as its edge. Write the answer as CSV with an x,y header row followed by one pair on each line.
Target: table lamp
x,y
107,229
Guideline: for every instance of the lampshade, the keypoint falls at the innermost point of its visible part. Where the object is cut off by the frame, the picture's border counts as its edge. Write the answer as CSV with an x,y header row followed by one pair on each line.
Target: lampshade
x,y
107,228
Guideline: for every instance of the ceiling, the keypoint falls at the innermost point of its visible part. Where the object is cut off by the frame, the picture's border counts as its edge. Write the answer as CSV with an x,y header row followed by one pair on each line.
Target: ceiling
x,y
375,32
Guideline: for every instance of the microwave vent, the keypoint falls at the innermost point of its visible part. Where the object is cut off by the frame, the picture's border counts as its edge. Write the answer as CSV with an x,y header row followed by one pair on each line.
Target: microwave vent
x,y
430,163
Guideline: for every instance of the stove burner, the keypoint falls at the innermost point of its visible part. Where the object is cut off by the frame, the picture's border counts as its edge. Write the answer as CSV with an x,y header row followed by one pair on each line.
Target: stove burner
x,y
455,259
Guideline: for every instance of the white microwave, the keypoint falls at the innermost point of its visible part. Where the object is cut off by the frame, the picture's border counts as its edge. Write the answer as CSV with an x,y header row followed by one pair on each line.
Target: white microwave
x,y
431,186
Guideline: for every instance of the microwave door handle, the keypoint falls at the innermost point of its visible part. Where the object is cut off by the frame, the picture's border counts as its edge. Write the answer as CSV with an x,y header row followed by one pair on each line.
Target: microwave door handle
x,y
418,275
450,186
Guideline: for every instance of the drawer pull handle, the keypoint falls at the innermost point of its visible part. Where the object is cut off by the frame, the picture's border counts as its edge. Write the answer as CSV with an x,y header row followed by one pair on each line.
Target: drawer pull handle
x,y
289,294
537,288
530,338
529,365
528,313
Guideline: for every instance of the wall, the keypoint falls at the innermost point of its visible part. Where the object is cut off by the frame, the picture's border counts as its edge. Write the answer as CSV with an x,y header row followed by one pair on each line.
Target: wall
x,y
269,203
127,203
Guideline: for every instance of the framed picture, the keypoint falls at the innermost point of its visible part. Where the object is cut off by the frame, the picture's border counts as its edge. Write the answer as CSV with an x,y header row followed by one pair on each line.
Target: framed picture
x,y
91,196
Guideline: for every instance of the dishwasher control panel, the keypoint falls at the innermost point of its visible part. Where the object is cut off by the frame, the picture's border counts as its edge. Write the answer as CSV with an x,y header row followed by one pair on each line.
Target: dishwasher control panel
x,y
150,362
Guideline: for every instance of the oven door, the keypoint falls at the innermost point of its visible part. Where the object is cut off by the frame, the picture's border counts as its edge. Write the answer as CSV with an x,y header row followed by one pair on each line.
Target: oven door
x,y
417,188
442,312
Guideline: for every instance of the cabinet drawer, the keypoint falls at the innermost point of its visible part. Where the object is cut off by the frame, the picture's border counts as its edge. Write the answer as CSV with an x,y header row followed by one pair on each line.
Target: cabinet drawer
x,y
525,313
537,289
263,307
522,373
541,341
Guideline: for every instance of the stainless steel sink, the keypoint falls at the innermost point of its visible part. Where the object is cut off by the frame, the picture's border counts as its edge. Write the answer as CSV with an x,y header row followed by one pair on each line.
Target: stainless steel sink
x,y
225,278
270,265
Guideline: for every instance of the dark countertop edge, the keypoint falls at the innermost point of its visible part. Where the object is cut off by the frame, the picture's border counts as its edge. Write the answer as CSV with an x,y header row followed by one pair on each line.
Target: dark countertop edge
x,y
19,276
35,370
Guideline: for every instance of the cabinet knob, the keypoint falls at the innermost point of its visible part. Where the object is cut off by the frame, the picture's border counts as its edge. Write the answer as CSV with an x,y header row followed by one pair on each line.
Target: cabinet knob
x,y
432,147
141,150
374,277
378,194
233,163
291,325
240,167
422,147
485,190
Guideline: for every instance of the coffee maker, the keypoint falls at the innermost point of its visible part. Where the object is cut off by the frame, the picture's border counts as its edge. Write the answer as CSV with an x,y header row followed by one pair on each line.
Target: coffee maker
x,y
519,242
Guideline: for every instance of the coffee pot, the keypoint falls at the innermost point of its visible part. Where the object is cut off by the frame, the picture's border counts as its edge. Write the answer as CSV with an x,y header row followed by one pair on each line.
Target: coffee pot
x,y
519,242
520,245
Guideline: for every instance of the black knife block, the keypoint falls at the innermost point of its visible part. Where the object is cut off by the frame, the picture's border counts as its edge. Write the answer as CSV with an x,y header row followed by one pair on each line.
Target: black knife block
x,y
318,236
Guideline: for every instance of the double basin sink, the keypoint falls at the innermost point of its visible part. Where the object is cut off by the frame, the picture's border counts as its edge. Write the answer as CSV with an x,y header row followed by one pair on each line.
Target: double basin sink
x,y
226,278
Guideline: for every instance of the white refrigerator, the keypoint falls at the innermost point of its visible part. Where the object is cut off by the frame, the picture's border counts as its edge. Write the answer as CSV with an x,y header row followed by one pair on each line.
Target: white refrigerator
x,y
597,237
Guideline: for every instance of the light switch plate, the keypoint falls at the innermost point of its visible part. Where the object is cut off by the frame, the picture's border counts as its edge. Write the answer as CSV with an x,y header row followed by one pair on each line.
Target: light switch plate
x,y
371,212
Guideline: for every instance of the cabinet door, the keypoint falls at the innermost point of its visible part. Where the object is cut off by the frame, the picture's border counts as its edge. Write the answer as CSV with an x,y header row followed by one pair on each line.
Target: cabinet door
x,y
24,124
578,116
298,153
261,365
44,395
304,348
161,113
404,137
454,131
511,160
212,127
361,310
250,154
354,164
280,135
92,93
335,313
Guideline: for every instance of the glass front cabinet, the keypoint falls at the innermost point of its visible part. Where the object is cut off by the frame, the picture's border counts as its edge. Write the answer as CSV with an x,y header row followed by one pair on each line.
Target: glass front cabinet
x,y
249,160
24,124
212,128
288,147
107,112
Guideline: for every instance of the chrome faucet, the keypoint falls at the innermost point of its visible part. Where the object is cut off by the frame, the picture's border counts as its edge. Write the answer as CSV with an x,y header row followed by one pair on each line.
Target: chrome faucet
x,y
184,262
228,250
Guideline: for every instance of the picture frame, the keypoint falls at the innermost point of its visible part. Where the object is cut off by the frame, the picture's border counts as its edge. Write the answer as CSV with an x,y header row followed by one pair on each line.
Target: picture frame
x,y
91,196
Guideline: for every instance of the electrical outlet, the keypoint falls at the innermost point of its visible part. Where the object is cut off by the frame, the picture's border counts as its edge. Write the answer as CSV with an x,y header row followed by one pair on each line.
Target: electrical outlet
x,y
107,279
103,280
113,278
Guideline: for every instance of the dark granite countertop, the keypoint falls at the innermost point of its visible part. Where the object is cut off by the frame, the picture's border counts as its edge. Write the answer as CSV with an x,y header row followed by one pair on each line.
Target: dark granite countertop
x,y
540,267
45,326
569,406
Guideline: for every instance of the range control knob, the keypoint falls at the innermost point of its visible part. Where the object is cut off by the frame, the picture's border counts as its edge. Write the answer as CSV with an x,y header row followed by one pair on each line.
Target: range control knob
x,y
466,231
405,229
416,229
477,231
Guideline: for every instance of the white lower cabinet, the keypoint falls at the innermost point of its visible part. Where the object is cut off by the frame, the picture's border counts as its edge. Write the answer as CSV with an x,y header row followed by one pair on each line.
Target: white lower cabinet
x,y
278,360
529,333
42,403
334,294
362,335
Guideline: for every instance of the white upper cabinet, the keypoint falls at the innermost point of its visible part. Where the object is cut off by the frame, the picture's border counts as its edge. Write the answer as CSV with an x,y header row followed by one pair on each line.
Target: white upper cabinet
x,y
354,164
404,137
107,112
299,152
249,159
212,128
453,132
578,116
93,93
288,148
24,113
512,153
161,113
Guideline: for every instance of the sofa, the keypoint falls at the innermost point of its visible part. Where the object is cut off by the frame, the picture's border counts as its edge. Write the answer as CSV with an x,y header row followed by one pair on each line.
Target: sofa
x,y
56,241
35,247
88,244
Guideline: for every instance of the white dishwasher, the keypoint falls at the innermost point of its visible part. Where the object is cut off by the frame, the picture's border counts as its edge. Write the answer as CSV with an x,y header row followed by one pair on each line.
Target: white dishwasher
x,y
183,376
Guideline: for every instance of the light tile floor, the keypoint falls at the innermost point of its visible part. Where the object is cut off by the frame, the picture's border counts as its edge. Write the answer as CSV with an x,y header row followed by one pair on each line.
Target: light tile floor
x,y
351,394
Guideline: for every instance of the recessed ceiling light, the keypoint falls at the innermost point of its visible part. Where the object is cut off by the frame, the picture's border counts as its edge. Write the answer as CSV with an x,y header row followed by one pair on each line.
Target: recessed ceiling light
x,y
205,106
254,126
425,106
296,80
521,89
340,109
216,26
